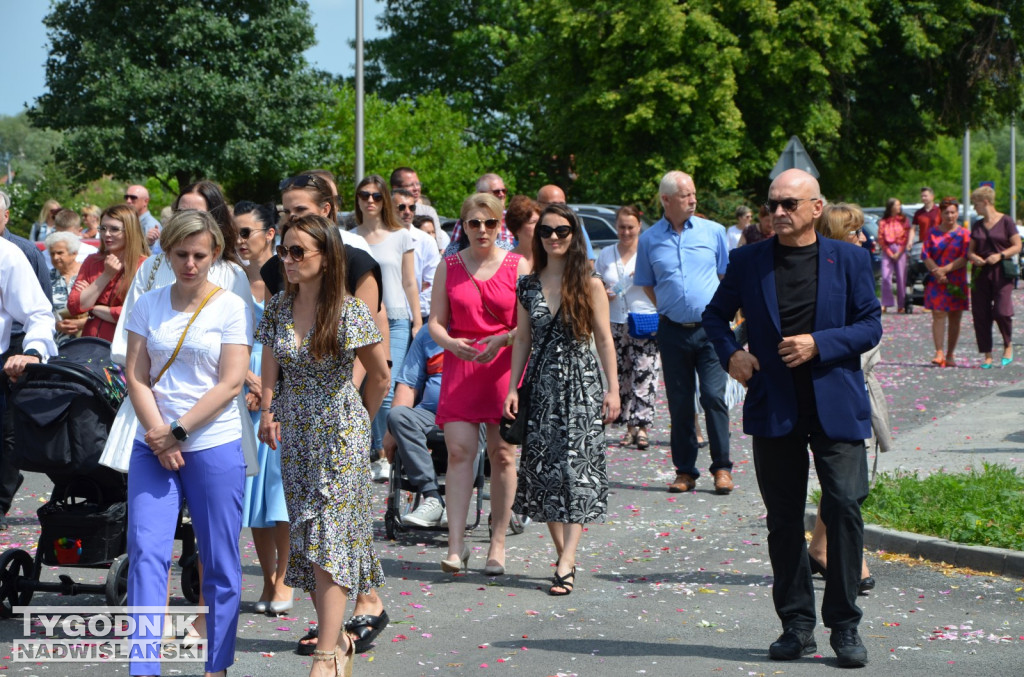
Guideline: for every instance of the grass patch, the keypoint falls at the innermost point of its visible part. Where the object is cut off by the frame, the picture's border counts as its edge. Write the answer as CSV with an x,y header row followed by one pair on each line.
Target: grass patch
x,y
975,508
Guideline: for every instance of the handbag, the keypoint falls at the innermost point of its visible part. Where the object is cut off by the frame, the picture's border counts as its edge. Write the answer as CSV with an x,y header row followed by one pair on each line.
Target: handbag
x,y
513,430
642,325
1011,269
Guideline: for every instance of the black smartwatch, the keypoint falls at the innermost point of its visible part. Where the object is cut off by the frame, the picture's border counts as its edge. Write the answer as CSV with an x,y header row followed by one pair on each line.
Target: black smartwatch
x,y
32,352
178,431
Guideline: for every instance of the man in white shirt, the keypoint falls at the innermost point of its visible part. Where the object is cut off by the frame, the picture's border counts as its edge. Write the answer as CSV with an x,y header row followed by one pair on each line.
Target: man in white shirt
x,y
426,255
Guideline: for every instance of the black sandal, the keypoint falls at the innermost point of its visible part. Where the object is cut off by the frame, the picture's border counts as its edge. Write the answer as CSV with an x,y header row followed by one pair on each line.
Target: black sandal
x,y
308,649
564,583
364,629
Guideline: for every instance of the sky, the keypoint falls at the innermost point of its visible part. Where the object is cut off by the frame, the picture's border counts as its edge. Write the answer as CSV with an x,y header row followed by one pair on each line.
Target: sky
x,y
23,44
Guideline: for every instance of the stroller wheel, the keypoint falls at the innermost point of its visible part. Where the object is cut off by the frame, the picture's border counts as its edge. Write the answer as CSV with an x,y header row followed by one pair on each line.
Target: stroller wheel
x,y
117,582
14,566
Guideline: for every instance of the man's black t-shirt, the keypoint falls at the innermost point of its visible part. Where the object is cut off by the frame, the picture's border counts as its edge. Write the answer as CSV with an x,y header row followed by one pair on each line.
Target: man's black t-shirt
x,y
796,289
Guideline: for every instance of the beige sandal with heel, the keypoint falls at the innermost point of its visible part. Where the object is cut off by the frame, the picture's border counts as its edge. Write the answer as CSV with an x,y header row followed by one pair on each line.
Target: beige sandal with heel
x,y
342,661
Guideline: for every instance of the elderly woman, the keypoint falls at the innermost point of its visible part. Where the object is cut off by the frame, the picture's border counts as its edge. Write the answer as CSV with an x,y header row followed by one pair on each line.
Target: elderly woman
x,y
637,358
945,293
994,239
473,318
188,445
63,248
105,278
520,219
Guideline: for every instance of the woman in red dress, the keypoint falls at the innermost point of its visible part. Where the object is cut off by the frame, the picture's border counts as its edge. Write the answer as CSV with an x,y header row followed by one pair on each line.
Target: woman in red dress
x,y
104,278
945,293
473,317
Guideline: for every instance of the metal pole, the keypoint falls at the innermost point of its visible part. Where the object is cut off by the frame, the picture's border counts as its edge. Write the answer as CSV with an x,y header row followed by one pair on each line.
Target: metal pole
x,y
360,160
1013,168
966,173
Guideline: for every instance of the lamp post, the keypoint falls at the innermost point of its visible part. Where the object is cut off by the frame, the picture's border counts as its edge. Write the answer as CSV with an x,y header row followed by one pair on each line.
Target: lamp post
x,y
360,159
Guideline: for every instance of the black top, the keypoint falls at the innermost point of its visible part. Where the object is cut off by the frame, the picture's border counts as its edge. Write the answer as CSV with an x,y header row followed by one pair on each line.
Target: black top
x,y
357,264
796,288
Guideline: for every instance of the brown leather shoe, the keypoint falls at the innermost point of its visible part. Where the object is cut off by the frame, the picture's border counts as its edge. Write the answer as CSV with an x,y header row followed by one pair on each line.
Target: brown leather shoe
x,y
682,484
723,482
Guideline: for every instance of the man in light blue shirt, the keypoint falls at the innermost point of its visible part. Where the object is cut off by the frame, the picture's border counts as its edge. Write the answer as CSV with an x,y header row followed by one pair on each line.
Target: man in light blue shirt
x,y
679,262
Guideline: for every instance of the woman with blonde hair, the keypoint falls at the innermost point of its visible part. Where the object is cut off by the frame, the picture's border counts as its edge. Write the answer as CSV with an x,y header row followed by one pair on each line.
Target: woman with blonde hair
x,y
994,244
473,318
188,354
91,221
44,223
105,277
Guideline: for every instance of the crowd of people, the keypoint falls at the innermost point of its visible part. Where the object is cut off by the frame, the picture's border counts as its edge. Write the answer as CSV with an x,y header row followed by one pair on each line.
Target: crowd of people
x,y
233,323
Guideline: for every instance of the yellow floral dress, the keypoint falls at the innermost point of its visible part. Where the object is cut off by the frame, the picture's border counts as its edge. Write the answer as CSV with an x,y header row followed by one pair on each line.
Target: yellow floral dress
x,y
325,448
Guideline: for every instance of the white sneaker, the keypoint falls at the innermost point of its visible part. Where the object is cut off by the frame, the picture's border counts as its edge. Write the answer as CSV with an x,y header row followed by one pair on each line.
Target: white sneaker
x,y
429,514
380,470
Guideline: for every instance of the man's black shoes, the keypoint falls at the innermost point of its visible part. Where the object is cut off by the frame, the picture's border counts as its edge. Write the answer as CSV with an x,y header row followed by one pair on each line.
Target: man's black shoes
x,y
792,644
849,649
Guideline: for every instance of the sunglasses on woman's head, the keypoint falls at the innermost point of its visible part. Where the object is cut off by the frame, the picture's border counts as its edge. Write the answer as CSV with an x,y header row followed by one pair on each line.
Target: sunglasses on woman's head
x,y
561,232
300,181
295,252
489,224
368,196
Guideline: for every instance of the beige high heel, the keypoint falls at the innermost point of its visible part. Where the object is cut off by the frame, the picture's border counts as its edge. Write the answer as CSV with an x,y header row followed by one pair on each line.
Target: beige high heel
x,y
461,564
342,661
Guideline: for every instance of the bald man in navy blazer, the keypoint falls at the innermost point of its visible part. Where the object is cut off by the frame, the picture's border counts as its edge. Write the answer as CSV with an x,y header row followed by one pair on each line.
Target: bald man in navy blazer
x,y
811,310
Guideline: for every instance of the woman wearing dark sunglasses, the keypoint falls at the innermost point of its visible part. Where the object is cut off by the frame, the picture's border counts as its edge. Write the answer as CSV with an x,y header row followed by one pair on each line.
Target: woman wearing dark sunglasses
x,y
312,333
394,249
562,476
472,316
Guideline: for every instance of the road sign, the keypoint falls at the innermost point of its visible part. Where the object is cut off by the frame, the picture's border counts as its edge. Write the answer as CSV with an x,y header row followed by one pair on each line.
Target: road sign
x,y
794,156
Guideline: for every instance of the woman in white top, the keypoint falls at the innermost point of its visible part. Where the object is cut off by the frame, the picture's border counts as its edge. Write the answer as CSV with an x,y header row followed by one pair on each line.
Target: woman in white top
x,y
188,354
393,248
637,358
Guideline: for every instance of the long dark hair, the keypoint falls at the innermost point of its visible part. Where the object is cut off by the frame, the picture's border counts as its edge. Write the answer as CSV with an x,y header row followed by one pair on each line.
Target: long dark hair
x,y
387,209
331,301
890,209
577,308
217,206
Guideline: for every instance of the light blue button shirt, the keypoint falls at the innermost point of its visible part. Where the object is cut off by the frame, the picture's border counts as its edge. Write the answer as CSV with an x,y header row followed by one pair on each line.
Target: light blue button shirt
x,y
682,267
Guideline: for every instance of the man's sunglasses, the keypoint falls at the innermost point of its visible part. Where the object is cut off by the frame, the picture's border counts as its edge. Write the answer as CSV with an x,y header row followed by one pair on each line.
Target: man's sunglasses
x,y
789,204
368,196
490,224
295,252
128,197
499,192
561,232
405,208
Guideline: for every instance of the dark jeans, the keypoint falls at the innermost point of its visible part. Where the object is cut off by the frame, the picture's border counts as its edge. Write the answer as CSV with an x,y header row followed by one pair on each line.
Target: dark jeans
x,y
782,466
685,353
10,476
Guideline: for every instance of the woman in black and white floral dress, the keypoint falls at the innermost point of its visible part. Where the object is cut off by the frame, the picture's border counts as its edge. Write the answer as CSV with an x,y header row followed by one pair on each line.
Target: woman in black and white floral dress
x,y
562,476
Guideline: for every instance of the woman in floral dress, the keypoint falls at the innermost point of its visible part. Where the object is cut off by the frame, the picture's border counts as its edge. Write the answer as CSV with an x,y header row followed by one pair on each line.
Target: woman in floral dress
x,y
562,476
313,332
945,293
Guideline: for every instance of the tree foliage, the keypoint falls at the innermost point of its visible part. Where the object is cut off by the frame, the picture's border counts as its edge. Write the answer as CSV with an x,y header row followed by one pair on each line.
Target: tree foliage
x,y
603,96
179,88
424,133
27,148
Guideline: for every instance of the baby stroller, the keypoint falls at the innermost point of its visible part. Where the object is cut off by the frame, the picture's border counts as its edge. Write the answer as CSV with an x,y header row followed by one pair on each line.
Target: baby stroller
x,y
63,411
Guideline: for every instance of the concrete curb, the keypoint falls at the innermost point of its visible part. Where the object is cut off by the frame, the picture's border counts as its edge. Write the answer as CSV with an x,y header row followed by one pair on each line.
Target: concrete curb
x,y
982,558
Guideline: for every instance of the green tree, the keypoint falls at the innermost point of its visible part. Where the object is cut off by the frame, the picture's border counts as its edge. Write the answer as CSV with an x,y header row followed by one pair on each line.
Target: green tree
x,y
179,89
424,133
28,149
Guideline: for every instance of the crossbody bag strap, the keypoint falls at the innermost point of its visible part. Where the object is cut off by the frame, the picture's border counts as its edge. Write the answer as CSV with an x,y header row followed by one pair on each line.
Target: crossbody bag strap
x,y
157,260
480,291
184,333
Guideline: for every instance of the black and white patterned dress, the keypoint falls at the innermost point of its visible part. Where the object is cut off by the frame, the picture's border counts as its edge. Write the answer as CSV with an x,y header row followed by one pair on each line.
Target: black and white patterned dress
x,y
562,475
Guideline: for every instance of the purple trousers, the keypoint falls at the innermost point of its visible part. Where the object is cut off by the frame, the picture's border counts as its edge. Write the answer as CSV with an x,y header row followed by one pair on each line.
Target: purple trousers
x,y
899,266
212,481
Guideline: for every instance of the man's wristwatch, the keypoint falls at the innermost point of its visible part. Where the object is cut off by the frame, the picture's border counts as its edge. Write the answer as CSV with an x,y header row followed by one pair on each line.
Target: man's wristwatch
x,y
178,431
32,352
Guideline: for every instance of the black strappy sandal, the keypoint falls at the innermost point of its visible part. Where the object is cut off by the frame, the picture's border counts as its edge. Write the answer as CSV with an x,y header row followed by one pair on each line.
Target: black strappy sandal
x,y
566,583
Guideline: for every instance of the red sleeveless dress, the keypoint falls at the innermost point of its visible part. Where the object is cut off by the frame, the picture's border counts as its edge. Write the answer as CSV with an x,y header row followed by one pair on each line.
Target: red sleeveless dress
x,y
475,392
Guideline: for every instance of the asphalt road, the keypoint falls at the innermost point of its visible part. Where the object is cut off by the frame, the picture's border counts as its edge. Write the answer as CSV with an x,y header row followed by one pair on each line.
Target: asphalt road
x,y
670,584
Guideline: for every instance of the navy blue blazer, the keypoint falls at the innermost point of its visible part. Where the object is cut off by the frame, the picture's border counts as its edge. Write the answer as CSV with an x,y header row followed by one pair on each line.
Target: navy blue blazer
x,y
847,322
